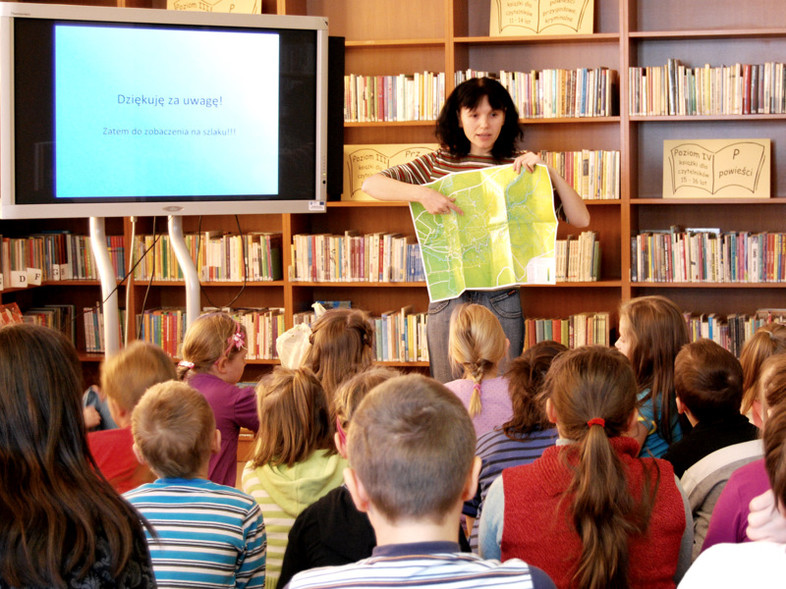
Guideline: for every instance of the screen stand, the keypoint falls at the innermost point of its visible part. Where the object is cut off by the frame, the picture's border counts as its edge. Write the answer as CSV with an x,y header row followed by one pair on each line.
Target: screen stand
x,y
187,266
106,273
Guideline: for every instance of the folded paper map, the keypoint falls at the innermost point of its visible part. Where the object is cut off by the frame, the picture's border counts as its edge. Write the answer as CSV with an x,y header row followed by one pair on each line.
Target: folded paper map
x,y
506,236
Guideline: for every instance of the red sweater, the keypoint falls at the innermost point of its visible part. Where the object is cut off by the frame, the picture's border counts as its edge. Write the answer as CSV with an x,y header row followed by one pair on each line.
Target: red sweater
x,y
538,527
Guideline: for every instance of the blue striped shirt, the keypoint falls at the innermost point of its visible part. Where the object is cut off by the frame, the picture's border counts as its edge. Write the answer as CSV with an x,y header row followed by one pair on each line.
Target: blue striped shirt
x,y
424,564
209,535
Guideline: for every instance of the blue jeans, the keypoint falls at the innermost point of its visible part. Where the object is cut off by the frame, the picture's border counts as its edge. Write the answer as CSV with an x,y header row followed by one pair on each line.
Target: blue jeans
x,y
505,304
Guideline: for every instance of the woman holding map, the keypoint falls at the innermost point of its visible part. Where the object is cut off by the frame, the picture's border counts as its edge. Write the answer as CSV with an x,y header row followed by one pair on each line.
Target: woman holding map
x,y
478,127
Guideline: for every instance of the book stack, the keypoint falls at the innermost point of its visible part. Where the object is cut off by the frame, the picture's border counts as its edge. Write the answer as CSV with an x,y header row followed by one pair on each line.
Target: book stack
x,y
556,93
708,255
594,174
93,320
374,257
578,258
254,257
581,329
677,89
416,97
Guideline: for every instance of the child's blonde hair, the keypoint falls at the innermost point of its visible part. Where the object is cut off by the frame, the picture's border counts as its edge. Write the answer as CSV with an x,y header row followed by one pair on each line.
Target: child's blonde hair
x,y
208,339
768,340
128,374
342,344
477,343
352,391
294,418
173,428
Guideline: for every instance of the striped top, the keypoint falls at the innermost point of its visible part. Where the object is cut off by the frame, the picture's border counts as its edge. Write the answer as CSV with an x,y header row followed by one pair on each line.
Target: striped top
x,y
424,564
209,535
437,164
497,452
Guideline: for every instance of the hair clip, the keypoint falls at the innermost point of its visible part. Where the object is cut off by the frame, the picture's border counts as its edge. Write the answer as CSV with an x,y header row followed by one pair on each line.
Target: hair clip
x,y
237,340
596,421
185,364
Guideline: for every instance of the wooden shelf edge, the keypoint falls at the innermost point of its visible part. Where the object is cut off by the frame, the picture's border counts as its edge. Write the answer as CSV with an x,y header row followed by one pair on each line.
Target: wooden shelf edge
x,y
707,201
707,34
704,118
538,39
393,43
714,285
296,283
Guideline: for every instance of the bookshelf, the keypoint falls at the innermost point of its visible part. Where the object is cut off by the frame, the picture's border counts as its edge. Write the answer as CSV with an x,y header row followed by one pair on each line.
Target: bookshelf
x,y
386,38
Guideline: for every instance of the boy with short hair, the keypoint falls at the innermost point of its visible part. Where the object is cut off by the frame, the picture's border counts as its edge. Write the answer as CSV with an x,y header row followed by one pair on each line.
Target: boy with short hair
x,y
124,379
411,448
208,534
708,386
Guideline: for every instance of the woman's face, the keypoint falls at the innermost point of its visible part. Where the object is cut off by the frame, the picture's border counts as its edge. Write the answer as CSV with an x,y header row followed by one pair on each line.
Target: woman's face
x,y
625,341
482,126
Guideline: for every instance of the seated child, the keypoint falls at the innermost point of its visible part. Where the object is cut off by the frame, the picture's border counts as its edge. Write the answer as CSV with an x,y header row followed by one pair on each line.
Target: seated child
x,y
207,535
295,462
708,385
124,379
411,446
312,539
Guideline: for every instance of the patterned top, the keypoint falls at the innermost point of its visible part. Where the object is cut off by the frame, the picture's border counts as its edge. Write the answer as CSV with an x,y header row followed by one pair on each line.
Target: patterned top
x,y
209,535
437,164
496,407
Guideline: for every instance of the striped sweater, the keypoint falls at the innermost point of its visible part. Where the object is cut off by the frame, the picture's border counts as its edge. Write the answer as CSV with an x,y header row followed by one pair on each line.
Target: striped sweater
x,y
283,492
209,535
437,164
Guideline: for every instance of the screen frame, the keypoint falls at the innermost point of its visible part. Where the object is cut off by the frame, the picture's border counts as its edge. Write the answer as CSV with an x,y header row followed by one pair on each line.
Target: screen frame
x,y
10,209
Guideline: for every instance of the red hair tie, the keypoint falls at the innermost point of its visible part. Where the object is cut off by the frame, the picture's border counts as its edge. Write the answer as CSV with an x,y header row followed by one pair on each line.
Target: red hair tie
x,y
596,421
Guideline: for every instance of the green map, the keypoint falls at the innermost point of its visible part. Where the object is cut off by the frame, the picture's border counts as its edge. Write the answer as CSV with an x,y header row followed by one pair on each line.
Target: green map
x,y
506,236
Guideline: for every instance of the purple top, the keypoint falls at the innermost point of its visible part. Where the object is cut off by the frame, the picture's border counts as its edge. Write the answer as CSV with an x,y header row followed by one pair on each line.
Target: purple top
x,y
729,521
234,407
496,407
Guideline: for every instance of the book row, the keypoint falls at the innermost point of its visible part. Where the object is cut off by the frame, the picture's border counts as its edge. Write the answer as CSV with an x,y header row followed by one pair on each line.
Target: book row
x,y
731,331
593,173
708,255
677,89
578,258
416,97
556,93
38,258
577,330
218,257
374,257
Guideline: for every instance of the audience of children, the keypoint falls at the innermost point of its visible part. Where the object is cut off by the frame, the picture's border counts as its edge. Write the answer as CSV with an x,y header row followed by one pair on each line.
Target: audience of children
x,y
588,511
124,379
342,344
214,356
759,564
61,524
295,461
524,437
768,340
729,520
205,534
477,344
708,384
651,332
312,539
411,448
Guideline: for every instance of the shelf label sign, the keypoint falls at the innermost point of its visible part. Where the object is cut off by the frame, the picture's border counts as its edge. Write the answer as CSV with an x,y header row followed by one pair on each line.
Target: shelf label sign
x,y
34,276
362,161
18,278
515,18
717,168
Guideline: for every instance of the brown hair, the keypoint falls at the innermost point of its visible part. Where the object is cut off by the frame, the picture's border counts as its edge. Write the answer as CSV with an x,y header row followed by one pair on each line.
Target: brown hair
x,y
583,384
525,379
208,339
173,427
129,373
412,445
775,452
54,504
768,340
477,343
352,391
294,418
342,344
772,383
659,331
708,380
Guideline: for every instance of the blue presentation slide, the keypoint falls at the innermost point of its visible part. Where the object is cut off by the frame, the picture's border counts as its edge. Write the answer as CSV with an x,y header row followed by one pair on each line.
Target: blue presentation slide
x,y
165,112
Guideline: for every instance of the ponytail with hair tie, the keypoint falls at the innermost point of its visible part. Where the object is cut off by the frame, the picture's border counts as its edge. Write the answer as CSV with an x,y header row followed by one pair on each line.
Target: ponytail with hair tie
x,y
475,406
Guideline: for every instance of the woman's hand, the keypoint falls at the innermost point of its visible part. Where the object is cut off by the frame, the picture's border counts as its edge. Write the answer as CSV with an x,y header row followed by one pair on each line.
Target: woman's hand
x,y
437,203
527,160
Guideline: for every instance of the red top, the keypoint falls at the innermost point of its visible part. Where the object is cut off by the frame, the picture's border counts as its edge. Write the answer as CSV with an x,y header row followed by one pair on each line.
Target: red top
x,y
112,450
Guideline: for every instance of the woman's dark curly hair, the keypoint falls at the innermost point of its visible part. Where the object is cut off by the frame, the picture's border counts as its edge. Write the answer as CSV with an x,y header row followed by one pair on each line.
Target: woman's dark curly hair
x,y
468,95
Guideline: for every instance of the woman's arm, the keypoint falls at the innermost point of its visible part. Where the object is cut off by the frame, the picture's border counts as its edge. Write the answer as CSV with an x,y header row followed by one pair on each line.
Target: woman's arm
x,y
385,188
575,210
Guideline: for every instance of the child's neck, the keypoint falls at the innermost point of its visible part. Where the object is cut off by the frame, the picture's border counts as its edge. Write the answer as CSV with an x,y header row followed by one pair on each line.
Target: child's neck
x,y
218,374
406,532
490,373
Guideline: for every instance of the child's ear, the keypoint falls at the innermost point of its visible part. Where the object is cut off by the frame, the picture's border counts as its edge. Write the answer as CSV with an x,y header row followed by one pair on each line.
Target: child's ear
x,y
215,445
471,486
138,454
357,490
680,406
340,446
551,413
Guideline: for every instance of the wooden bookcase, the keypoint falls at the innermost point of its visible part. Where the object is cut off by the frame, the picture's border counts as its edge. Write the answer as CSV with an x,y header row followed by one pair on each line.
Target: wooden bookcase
x,y
384,37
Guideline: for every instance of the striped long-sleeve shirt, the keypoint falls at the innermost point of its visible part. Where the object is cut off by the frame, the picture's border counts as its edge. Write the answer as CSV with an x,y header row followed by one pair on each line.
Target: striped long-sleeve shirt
x,y
209,535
